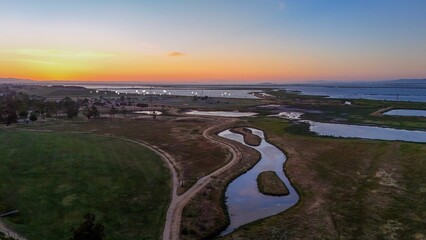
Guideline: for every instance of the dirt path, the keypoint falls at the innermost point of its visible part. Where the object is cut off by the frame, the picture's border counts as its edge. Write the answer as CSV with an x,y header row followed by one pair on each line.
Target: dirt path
x,y
381,111
9,232
174,213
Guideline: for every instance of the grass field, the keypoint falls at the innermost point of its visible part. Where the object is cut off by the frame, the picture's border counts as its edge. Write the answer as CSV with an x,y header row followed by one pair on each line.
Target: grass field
x,y
53,179
349,188
181,137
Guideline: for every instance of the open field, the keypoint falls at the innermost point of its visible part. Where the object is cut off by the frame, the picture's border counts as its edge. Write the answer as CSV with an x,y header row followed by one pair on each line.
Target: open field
x,y
181,137
270,184
53,179
349,189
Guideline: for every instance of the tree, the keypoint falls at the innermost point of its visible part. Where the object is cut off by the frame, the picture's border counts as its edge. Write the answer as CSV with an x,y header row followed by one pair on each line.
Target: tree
x,y
33,116
95,111
23,114
71,107
72,111
123,111
88,230
91,112
51,108
141,105
113,111
11,117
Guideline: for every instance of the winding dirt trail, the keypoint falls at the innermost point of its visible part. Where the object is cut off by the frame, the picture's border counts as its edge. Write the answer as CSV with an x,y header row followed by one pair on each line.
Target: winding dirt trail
x,y
174,213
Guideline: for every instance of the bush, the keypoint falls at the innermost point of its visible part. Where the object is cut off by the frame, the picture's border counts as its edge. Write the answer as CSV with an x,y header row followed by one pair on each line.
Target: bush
x,y
88,230
33,117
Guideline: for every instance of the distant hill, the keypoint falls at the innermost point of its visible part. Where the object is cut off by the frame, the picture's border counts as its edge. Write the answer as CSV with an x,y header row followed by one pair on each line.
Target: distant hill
x,y
15,81
408,81
266,83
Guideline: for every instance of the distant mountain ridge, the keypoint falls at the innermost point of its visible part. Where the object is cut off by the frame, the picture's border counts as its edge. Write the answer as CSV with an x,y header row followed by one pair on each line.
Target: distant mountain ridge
x,y
15,81
409,81
420,82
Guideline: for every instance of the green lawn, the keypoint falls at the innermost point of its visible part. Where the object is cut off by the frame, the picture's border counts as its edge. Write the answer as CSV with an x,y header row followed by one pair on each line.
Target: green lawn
x,y
54,179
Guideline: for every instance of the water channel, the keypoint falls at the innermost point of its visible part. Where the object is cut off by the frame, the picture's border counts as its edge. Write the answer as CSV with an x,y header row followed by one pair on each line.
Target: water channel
x,y
244,200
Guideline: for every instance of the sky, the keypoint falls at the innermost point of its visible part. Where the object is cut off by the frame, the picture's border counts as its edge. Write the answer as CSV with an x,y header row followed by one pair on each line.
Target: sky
x,y
213,41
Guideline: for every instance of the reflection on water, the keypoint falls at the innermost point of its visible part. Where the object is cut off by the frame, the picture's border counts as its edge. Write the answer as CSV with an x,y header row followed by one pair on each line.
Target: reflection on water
x,y
221,113
406,112
289,115
175,91
149,112
244,201
368,132
360,91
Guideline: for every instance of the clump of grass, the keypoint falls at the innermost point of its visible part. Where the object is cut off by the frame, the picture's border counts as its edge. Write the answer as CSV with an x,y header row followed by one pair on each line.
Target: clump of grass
x,y
299,128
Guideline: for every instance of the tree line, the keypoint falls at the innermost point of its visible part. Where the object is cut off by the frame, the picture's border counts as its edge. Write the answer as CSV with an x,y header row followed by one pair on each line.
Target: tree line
x,y
18,105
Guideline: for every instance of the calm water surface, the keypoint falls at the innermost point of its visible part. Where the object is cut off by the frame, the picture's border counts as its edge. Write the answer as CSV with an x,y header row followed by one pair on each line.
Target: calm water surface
x,y
221,113
406,112
367,132
244,201
175,91
149,112
402,93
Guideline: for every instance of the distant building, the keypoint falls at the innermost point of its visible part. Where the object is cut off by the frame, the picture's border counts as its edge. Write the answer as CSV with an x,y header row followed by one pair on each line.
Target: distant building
x,y
348,103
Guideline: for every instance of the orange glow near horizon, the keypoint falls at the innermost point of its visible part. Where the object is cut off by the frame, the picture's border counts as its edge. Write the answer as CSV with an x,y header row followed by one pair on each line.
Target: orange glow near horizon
x,y
48,64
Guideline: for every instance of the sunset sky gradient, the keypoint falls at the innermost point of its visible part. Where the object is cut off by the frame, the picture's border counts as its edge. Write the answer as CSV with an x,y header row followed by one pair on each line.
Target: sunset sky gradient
x,y
213,41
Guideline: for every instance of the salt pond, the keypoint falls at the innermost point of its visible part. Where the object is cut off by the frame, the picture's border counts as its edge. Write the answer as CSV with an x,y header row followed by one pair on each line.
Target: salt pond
x,y
221,113
406,112
367,132
148,112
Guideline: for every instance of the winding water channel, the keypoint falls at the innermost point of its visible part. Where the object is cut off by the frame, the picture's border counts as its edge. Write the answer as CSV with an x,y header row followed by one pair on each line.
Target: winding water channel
x,y
244,201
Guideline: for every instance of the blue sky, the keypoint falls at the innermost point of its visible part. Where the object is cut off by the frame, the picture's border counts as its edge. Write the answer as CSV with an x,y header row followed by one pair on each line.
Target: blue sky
x,y
247,40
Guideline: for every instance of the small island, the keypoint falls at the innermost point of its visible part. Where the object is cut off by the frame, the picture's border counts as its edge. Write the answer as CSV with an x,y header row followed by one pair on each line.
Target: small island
x,y
270,184
249,138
